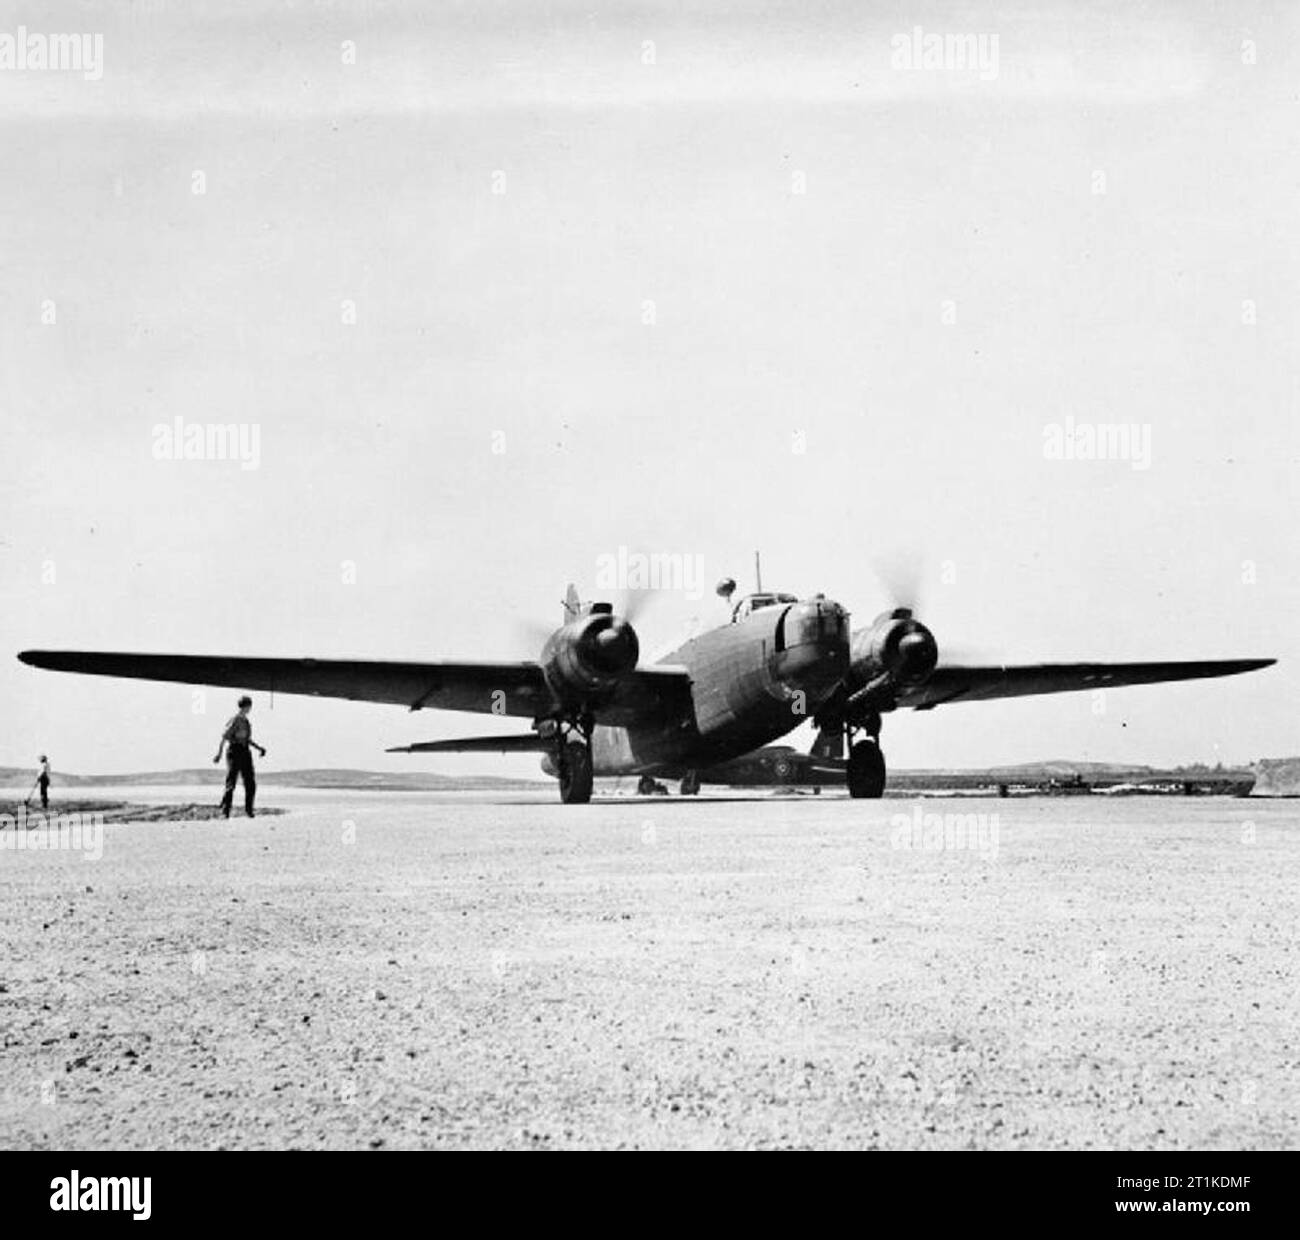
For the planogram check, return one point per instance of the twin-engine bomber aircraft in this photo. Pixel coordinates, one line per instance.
(596, 711)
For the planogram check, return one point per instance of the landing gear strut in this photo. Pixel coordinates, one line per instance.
(865, 773)
(573, 760)
(691, 784)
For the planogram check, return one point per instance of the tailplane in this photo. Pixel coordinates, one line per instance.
(530, 742)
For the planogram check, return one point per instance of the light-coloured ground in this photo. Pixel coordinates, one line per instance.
(410, 970)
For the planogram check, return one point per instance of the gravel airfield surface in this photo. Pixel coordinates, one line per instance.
(418, 970)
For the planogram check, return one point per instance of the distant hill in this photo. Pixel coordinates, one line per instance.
(1064, 768)
(1059, 769)
(397, 781)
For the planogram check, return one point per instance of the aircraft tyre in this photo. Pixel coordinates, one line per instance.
(866, 771)
(575, 773)
(691, 784)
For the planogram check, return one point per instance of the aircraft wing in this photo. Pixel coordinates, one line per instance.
(529, 742)
(980, 684)
(517, 689)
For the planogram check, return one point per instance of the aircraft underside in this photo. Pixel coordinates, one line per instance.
(682, 754)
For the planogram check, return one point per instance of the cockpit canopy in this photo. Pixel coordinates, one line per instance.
(753, 602)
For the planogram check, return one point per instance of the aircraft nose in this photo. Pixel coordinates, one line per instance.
(814, 644)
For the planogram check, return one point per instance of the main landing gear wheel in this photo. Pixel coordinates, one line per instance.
(866, 770)
(645, 786)
(691, 784)
(575, 772)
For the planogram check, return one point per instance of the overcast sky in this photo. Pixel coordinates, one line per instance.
(638, 277)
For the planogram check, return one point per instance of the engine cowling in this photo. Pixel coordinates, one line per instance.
(585, 660)
(896, 650)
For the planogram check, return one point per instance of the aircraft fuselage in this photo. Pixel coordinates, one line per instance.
(752, 682)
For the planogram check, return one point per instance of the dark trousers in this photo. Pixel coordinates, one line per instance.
(44, 783)
(239, 761)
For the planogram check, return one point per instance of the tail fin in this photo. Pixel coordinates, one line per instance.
(572, 604)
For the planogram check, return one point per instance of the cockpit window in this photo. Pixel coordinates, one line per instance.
(753, 602)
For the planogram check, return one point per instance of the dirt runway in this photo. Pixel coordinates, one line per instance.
(412, 970)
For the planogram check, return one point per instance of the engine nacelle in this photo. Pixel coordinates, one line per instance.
(895, 650)
(585, 660)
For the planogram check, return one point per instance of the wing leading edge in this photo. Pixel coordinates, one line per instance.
(982, 684)
(517, 689)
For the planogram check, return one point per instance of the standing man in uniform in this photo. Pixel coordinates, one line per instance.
(43, 781)
(238, 736)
